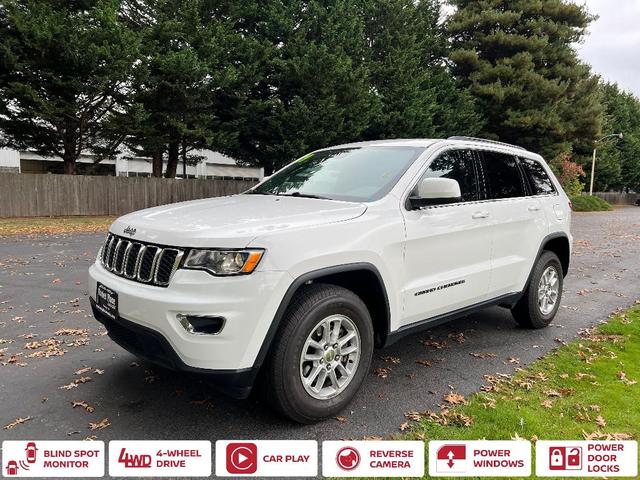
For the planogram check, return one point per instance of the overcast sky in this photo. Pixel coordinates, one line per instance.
(613, 45)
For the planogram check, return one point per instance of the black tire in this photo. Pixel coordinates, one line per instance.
(283, 383)
(527, 313)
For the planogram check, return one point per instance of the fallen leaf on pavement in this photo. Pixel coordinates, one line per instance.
(390, 359)
(104, 423)
(483, 355)
(72, 331)
(82, 404)
(16, 422)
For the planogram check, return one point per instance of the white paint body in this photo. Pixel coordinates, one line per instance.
(491, 245)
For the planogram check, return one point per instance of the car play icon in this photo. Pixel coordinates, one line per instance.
(242, 458)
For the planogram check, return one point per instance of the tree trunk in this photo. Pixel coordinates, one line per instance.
(172, 163)
(156, 163)
(184, 159)
(268, 167)
(71, 152)
(69, 159)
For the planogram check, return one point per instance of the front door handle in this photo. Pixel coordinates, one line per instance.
(478, 215)
(534, 208)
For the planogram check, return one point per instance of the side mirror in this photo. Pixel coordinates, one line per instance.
(435, 191)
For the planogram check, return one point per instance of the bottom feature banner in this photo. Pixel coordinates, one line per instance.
(64, 458)
(266, 458)
(389, 458)
(160, 458)
(480, 458)
(582, 458)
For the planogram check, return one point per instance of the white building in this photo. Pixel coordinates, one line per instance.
(214, 165)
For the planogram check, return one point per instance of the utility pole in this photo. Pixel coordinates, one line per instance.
(593, 162)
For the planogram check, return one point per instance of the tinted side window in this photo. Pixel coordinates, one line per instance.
(502, 175)
(457, 165)
(538, 179)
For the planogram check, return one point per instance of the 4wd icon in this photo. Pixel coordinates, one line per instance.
(452, 459)
(134, 461)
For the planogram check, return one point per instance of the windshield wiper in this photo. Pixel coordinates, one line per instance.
(254, 192)
(303, 195)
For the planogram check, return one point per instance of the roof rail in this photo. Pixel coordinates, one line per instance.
(495, 142)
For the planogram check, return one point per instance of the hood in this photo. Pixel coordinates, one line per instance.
(230, 222)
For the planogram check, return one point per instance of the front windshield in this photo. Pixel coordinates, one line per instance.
(351, 174)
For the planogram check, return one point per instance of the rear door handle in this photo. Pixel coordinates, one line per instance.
(534, 208)
(478, 215)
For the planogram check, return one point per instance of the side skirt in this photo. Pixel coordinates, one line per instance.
(507, 301)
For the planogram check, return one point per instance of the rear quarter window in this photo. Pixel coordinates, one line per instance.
(537, 176)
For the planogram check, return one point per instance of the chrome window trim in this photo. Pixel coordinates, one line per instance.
(449, 147)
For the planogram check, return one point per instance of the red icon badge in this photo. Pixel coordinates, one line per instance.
(565, 458)
(348, 458)
(452, 458)
(242, 458)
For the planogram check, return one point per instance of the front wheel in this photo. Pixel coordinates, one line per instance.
(541, 300)
(321, 354)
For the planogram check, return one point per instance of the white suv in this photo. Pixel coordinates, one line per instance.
(346, 249)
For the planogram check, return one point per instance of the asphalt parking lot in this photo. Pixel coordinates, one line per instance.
(90, 387)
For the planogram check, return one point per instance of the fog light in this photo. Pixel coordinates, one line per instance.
(201, 324)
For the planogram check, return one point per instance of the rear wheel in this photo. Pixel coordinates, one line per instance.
(321, 354)
(541, 300)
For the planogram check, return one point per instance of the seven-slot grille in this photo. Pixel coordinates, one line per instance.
(140, 262)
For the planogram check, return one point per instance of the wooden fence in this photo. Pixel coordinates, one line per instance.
(35, 195)
(616, 198)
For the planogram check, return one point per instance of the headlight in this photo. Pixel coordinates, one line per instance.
(223, 262)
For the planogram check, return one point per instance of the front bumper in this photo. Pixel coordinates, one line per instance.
(150, 345)
(148, 326)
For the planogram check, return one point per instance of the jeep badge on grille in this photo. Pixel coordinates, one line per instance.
(129, 231)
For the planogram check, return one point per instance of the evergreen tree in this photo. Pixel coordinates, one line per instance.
(518, 61)
(311, 82)
(418, 95)
(185, 64)
(64, 66)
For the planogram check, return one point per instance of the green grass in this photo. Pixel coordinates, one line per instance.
(583, 390)
(52, 225)
(590, 204)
